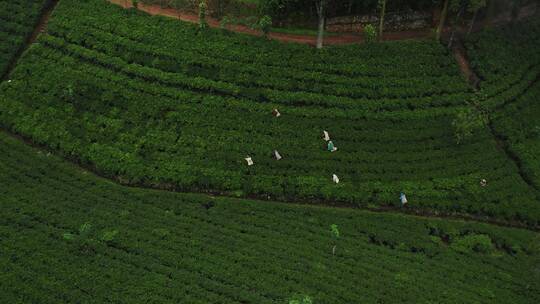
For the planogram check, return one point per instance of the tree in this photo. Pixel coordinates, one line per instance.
(370, 34)
(320, 6)
(474, 7)
(443, 19)
(382, 6)
(460, 6)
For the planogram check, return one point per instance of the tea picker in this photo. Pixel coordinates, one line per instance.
(249, 161)
(331, 146)
(483, 182)
(277, 155)
(335, 179)
(403, 199)
(326, 137)
(276, 113)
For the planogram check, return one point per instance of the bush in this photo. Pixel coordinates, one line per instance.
(466, 122)
(479, 243)
(264, 24)
(370, 33)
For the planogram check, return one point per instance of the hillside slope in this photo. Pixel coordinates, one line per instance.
(155, 102)
(68, 236)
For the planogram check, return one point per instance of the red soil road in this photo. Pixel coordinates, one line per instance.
(335, 39)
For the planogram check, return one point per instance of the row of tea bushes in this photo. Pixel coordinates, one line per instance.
(17, 21)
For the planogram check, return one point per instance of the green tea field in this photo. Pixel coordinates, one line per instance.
(126, 143)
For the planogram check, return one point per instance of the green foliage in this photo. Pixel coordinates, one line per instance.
(301, 300)
(161, 232)
(370, 33)
(479, 243)
(17, 19)
(135, 3)
(536, 131)
(109, 236)
(202, 15)
(264, 24)
(210, 255)
(335, 231)
(68, 236)
(224, 22)
(475, 5)
(85, 229)
(466, 122)
(68, 93)
(507, 60)
(386, 105)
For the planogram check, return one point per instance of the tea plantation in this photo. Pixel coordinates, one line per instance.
(67, 236)
(155, 102)
(123, 174)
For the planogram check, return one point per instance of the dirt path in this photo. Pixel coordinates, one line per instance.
(39, 28)
(461, 57)
(335, 39)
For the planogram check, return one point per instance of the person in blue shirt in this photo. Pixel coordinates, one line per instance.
(331, 146)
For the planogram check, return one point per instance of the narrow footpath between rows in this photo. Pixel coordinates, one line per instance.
(334, 39)
(461, 57)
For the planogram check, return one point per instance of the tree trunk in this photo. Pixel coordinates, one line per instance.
(350, 6)
(443, 19)
(381, 22)
(320, 14)
(472, 23)
(454, 26)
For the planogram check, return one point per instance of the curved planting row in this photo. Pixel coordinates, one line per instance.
(505, 56)
(17, 21)
(508, 57)
(188, 125)
(129, 245)
(517, 123)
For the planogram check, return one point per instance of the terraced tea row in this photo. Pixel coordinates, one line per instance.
(504, 57)
(129, 245)
(518, 124)
(91, 91)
